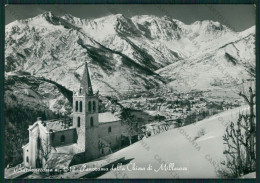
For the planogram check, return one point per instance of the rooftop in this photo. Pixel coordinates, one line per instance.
(65, 124)
(69, 149)
(59, 160)
(57, 124)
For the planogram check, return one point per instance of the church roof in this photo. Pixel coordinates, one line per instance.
(61, 124)
(57, 125)
(59, 160)
(85, 83)
(70, 148)
(107, 117)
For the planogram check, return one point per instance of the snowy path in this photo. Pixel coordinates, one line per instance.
(175, 146)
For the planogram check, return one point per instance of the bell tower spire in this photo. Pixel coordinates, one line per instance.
(85, 83)
(85, 117)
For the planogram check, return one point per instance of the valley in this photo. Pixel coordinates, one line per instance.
(156, 71)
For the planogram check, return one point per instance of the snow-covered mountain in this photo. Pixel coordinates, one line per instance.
(45, 57)
(229, 65)
(126, 54)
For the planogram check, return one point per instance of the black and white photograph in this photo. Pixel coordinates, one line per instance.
(130, 91)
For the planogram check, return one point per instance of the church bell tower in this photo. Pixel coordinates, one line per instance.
(85, 117)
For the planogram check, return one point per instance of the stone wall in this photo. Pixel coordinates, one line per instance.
(91, 143)
(26, 154)
(70, 137)
(113, 137)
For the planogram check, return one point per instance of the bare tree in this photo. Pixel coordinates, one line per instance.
(240, 142)
(251, 130)
(44, 147)
(129, 128)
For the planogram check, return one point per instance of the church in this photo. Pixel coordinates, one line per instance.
(90, 134)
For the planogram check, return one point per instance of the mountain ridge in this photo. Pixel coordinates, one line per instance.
(132, 50)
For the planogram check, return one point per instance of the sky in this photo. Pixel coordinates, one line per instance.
(237, 17)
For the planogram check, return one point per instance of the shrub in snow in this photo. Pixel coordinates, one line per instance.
(240, 142)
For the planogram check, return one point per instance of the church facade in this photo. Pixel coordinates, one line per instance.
(90, 133)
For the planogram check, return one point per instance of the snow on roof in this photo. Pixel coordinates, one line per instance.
(59, 160)
(107, 117)
(56, 125)
(25, 145)
(60, 124)
(33, 125)
(71, 149)
(52, 125)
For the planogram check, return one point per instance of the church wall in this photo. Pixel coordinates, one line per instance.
(77, 100)
(87, 131)
(95, 120)
(45, 142)
(33, 146)
(26, 154)
(43, 134)
(113, 137)
(69, 137)
(91, 141)
(91, 135)
(81, 115)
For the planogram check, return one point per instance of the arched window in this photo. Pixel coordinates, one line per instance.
(80, 90)
(27, 159)
(80, 106)
(78, 122)
(89, 106)
(94, 106)
(91, 121)
(77, 106)
(62, 139)
(109, 129)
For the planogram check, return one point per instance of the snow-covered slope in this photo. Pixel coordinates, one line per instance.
(201, 158)
(124, 53)
(223, 68)
(249, 176)
(23, 90)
